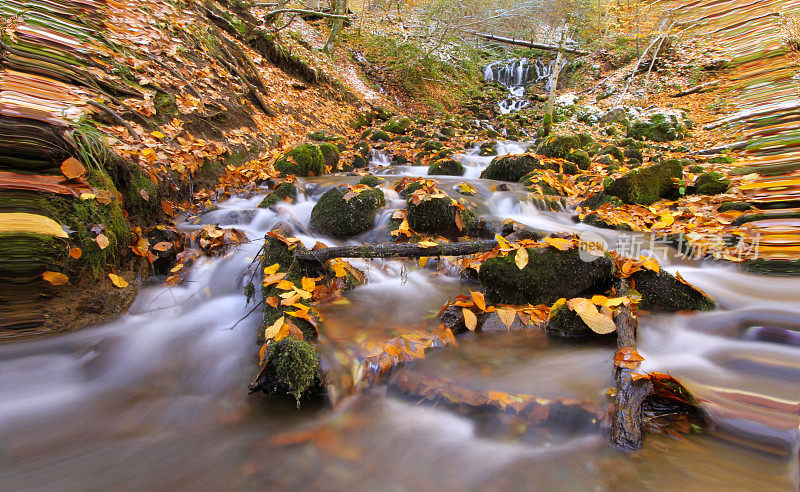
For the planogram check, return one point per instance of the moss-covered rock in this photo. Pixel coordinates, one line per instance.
(565, 323)
(511, 167)
(599, 199)
(549, 275)
(304, 160)
(283, 192)
(535, 184)
(446, 167)
(380, 136)
(488, 149)
(398, 125)
(330, 154)
(613, 151)
(580, 159)
(558, 146)
(663, 292)
(738, 206)
(438, 216)
(645, 186)
(292, 368)
(711, 183)
(371, 181)
(337, 217)
(432, 146)
(585, 139)
(595, 220)
(658, 127)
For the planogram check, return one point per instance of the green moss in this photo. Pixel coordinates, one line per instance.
(330, 154)
(292, 368)
(281, 193)
(738, 206)
(537, 185)
(645, 186)
(165, 105)
(438, 216)
(446, 167)
(547, 122)
(565, 323)
(585, 139)
(380, 136)
(303, 160)
(580, 159)
(511, 167)
(596, 201)
(334, 216)
(663, 292)
(371, 181)
(657, 129)
(410, 189)
(399, 125)
(613, 151)
(558, 146)
(721, 159)
(711, 183)
(432, 146)
(549, 275)
(488, 148)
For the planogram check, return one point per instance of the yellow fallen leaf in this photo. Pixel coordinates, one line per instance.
(117, 280)
(55, 278)
(559, 243)
(507, 316)
(479, 300)
(521, 258)
(650, 263)
(157, 134)
(423, 260)
(427, 243)
(271, 269)
(23, 222)
(307, 284)
(469, 319)
(588, 312)
(273, 330)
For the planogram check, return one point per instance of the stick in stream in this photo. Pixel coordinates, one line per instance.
(698, 88)
(397, 251)
(626, 421)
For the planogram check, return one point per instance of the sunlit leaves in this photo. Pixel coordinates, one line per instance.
(117, 280)
(55, 278)
(521, 258)
(596, 321)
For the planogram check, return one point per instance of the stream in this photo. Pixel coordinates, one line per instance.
(157, 398)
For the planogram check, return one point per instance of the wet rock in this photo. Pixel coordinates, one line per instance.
(549, 275)
(438, 216)
(488, 149)
(303, 160)
(511, 167)
(281, 193)
(664, 292)
(337, 217)
(711, 183)
(371, 181)
(446, 167)
(645, 186)
(598, 200)
(558, 146)
(565, 323)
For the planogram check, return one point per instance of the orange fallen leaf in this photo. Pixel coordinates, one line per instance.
(479, 300)
(470, 319)
(55, 278)
(75, 253)
(72, 168)
(117, 280)
(167, 208)
(162, 246)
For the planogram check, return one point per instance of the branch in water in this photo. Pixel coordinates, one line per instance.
(397, 251)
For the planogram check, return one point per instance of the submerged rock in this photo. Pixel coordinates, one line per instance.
(304, 160)
(337, 217)
(549, 275)
(645, 186)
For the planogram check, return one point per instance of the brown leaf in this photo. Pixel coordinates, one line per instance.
(162, 246)
(459, 222)
(167, 208)
(72, 168)
(627, 357)
(75, 253)
(55, 278)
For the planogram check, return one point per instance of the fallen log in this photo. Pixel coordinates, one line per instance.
(397, 251)
(698, 88)
(529, 44)
(626, 421)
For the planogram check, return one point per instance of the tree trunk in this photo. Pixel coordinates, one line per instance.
(338, 7)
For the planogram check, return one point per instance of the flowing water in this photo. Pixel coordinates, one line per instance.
(157, 398)
(515, 74)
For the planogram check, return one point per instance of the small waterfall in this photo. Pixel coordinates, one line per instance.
(515, 74)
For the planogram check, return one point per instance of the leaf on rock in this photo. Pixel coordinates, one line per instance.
(470, 319)
(72, 168)
(521, 258)
(596, 321)
(55, 278)
(117, 280)
(507, 316)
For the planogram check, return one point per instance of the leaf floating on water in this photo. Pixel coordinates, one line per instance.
(596, 321)
(521, 258)
(117, 280)
(470, 319)
(72, 168)
(37, 224)
(55, 278)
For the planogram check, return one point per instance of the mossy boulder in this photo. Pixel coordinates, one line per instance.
(738, 206)
(292, 368)
(371, 181)
(488, 149)
(558, 146)
(283, 192)
(432, 146)
(535, 184)
(438, 216)
(380, 136)
(549, 275)
(645, 186)
(330, 154)
(711, 183)
(323, 136)
(511, 167)
(337, 217)
(580, 159)
(446, 167)
(398, 125)
(599, 199)
(663, 292)
(658, 127)
(304, 160)
(585, 139)
(613, 151)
